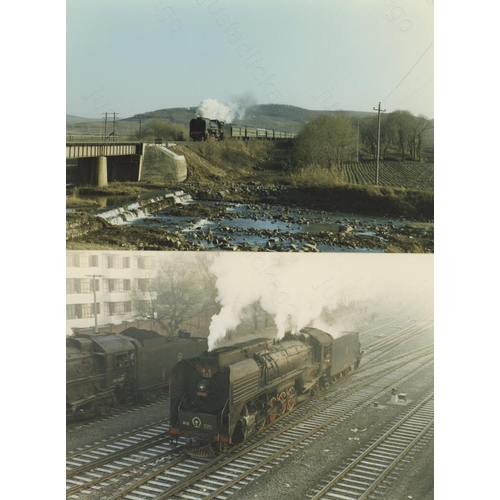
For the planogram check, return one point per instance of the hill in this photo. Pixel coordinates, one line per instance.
(274, 116)
(79, 119)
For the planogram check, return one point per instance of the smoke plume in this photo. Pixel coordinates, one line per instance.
(299, 291)
(288, 288)
(233, 112)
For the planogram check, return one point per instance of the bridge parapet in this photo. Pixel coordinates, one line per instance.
(94, 150)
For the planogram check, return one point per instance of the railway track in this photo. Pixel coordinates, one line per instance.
(201, 478)
(114, 413)
(381, 347)
(370, 468)
(104, 461)
(146, 464)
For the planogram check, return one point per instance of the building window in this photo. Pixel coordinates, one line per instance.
(144, 285)
(118, 308)
(146, 263)
(81, 285)
(80, 311)
(116, 285)
(81, 260)
(117, 262)
(72, 260)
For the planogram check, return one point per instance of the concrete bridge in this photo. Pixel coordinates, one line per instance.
(103, 162)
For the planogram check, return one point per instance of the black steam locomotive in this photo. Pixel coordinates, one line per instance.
(226, 395)
(207, 129)
(103, 369)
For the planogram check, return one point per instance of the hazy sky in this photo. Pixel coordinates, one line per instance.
(133, 56)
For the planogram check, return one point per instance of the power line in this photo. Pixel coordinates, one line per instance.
(422, 86)
(432, 43)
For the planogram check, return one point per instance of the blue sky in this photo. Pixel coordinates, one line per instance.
(133, 56)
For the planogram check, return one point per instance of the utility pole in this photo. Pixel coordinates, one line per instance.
(114, 124)
(357, 147)
(378, 141)
(105, 125)
(94, 276)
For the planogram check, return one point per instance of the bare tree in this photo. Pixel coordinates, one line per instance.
(182, 289)
(402, 122)
(368, 133)
(423, 127)
(327, 141)
(158, 127)
(143, 295)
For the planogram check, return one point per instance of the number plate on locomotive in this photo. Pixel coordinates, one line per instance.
(199, 421)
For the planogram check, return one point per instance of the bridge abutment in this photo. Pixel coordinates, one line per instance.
(101, 163)
(102, 171)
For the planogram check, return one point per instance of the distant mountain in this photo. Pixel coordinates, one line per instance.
(275, 116)
(79, 119)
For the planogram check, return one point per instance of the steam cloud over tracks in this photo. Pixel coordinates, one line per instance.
(301, 292)
(287, 287)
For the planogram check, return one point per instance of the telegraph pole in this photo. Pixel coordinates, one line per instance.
(357, 147)
(378, 141)
(94, 276)
(106, 125)
(114, 124)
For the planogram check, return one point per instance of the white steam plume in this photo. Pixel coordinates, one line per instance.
(211, 108)
(299, 291)
(230, 113)
(288, 288)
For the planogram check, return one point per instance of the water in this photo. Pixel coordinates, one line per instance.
(141, 208)
(246, 226)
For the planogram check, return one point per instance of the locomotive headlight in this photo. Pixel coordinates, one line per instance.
(203, 385)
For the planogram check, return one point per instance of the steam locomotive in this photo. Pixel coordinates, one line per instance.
(103, 369)
(224, 396)
(208, 129)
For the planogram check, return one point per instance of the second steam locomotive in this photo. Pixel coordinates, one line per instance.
(207, 129)
(104, 369)
(226, 395)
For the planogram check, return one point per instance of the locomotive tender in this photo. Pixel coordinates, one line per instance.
(224, 396)
(208, 129)
(104, 369)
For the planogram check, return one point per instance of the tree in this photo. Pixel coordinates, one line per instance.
(368, 134)
(423, 127)
(182, 289)
(326, 141)
(403, 123)
(157, 127)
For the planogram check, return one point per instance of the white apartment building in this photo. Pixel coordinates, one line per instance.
(115, 277)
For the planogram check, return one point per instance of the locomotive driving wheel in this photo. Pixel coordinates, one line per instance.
(291, 399)
(260, 424)
(282, 399)
(273, 409)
